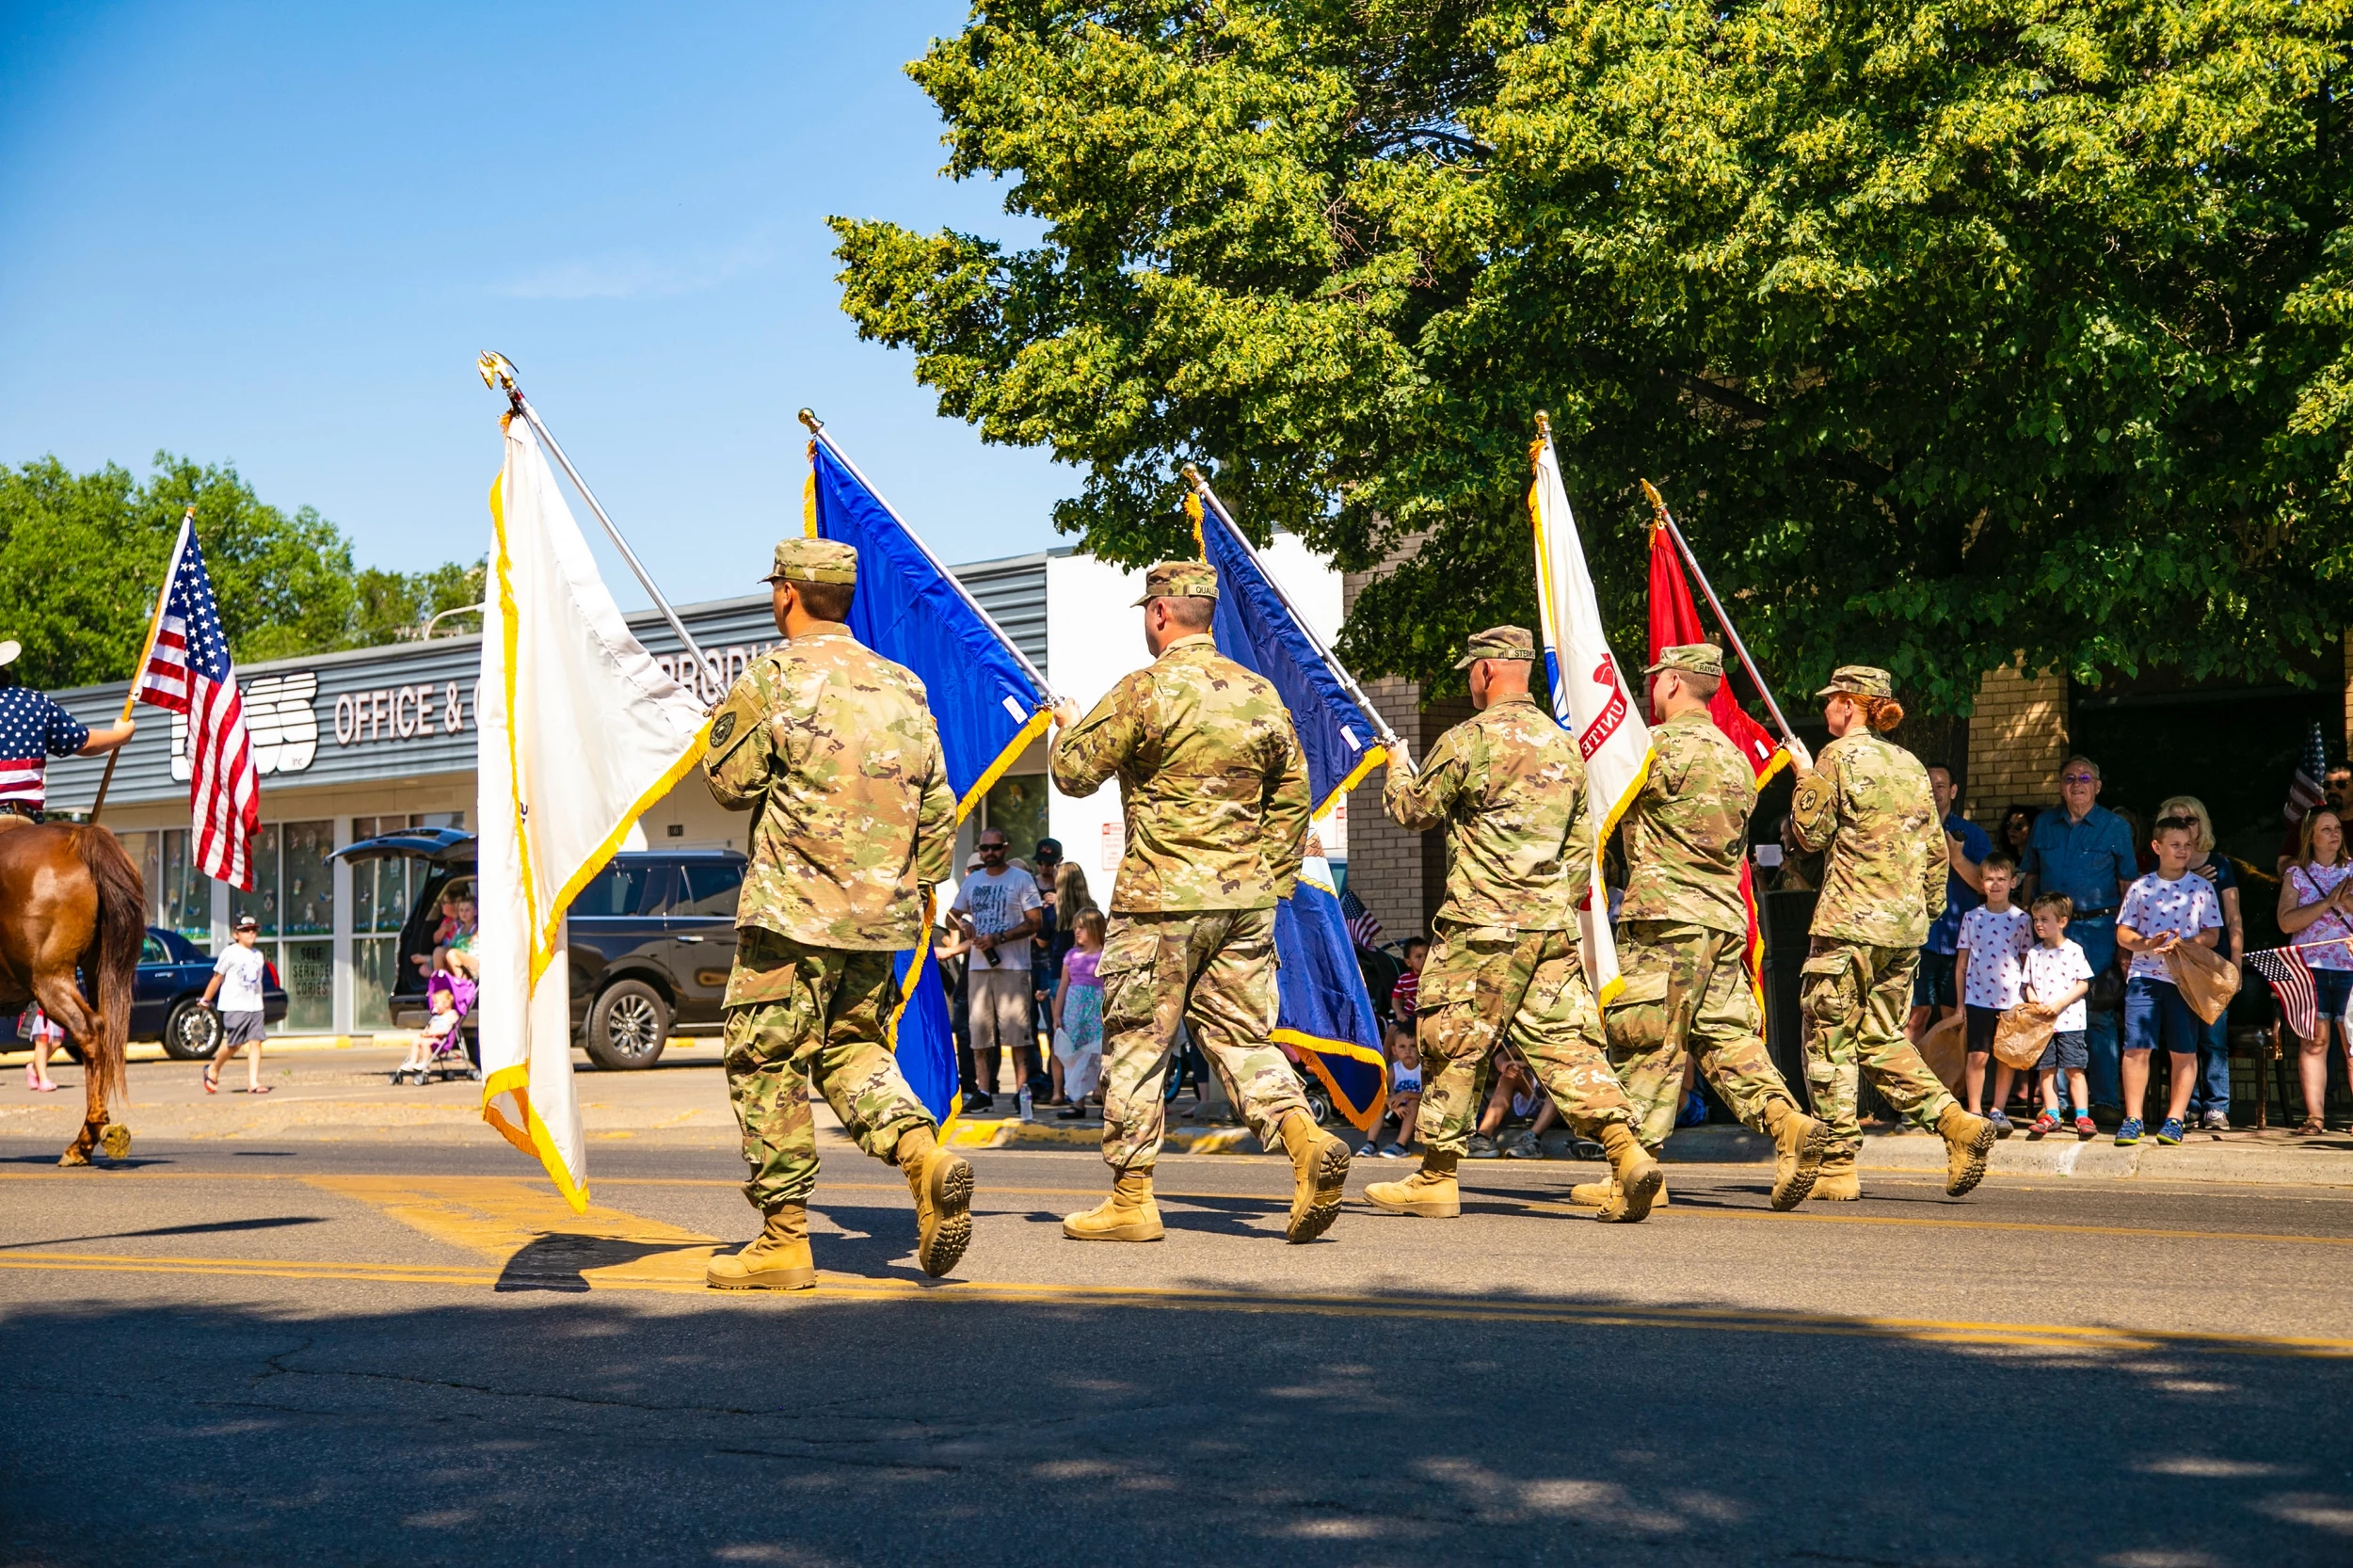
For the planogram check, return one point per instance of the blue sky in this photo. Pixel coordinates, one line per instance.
(280, 234)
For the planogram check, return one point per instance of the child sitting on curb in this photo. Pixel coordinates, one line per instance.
(2059, 977)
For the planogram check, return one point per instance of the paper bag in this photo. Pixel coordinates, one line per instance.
(2019, 1039)
(2207, 980)
(1946, 1050)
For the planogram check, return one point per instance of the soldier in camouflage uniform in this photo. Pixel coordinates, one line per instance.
(1214, 793)
(1682, 931)
(1866, 806)
(832, 748)
(1504, 969)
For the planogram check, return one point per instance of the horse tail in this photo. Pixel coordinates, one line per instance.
(121, 931)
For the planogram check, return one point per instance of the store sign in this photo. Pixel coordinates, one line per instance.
(279, 718)
(722, 667)
(414, 712)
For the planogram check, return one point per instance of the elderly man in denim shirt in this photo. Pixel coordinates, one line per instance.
(2085, 851)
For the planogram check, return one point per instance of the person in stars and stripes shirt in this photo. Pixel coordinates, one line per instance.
(32, 731)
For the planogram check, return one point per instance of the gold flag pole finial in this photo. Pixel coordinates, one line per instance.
(1543, 425)
(809, 417)
(1193, 476)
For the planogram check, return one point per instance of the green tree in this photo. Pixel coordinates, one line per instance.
(82, 554)
(1949, 331)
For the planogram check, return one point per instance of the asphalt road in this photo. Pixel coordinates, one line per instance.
(412, 1352)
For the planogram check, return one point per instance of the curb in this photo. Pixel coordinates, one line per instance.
(2234, 1159)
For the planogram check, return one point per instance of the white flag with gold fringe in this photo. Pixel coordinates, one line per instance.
(1590, 696)
(580, 731)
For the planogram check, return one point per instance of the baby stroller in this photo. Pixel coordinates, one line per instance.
(440, 1052)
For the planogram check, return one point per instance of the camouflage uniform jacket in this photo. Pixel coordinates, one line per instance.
(1867, 808)
(1509, 787)
(833, 746)
(1689, 827)
(1211, 782)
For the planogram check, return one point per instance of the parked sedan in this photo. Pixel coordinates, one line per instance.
(168, 1000)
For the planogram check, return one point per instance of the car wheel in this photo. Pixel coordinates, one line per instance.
(1319, 1098)
(192, 1033)
(627, 1026)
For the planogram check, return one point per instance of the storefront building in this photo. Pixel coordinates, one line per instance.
(352, 745)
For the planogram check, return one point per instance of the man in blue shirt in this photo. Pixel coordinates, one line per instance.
(1966, 849)
(2085, 851)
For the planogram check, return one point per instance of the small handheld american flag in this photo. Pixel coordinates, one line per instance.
(2304, 785)
(189, 671)
(1363, 928)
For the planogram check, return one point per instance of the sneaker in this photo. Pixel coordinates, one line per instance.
(2129, 1131)
(1483, 1148)
(2001, 1122)
(2044, 1126)
(1366, 1149)
(978, 1104)
(2169, 1131)
(1395, 1151)
(1523, 1147)
(2216, 1120)
(2086, 1127)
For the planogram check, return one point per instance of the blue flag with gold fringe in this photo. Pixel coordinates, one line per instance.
(987, 700)
(1323, 1010)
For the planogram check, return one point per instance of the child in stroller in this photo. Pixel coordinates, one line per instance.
(440, 1049)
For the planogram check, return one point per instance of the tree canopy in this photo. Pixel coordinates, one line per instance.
(1949, 329)
(82, 555)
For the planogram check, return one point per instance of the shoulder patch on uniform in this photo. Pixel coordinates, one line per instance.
(738, 718)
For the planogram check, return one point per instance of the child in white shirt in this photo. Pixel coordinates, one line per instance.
(1987, 974)
(2059, 977)
(2160, 911)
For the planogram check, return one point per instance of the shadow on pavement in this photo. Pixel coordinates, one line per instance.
(210, 1227)
(357, 1426)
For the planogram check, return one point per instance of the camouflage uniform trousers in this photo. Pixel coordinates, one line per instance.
(1215, 971)
(811, 1013)
(1855, 998)
(1687, 993)
(1484, 987)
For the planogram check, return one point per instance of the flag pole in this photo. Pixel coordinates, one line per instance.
(1201, 488)
(1666, 521)
(498, 374)
(138, 671)
(816, 431)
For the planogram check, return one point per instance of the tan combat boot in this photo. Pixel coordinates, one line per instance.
(1598, 1194)
(1127, 1215)
(1428, 1193)
(942, 1185)
(1967, 1141)
(1637, 1178)
(1319, 1174)
(1799, 1142)
(777, 1260)
(1836, 1181)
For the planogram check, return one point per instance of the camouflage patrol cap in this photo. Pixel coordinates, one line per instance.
(1690, 658)
(1499, 642)
(1859, 680)
(815, 561)
(1179, 579)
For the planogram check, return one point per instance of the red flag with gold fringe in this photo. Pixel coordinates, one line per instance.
(1674, 620)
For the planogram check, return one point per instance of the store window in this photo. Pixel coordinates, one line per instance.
(382, 894)
(292, 900)
(1016, 809)
(178, 897)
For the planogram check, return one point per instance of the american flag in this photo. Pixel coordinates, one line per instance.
(1363, 928)
(2304, 790)
(190, 672)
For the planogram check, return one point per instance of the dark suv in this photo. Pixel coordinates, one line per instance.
(651, 939)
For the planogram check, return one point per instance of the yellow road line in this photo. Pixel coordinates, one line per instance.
(844, 1287)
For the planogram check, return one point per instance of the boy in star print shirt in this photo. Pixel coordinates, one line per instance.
(1988, 972)
(2166, 908)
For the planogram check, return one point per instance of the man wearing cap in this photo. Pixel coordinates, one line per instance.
(1866, 808)
(32, 731)
(1214, 793)
(832, 749)
(1681, 931)
(1509, 787)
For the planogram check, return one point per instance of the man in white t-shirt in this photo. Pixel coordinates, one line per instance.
(999, 911)
(238, 976)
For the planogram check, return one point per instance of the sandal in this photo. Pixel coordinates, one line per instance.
(212, 1079)
(259, 1089)
(2313, 1126)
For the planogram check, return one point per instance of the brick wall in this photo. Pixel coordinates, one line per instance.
(2018, 739)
